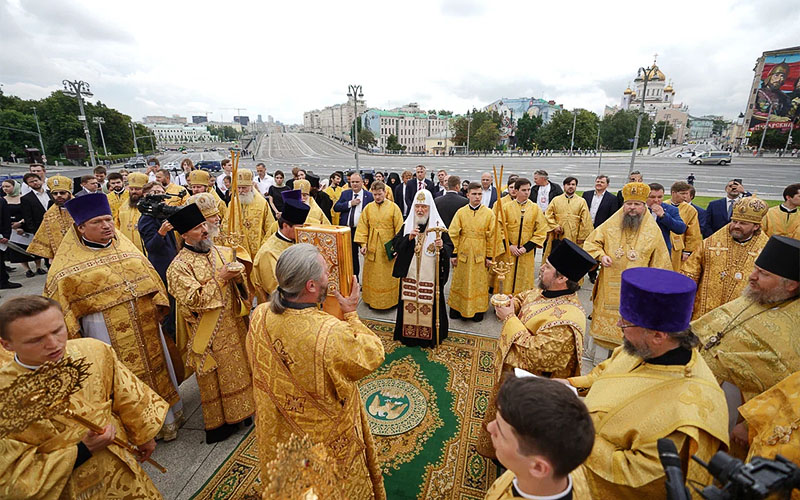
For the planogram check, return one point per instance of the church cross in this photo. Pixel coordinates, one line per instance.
(718, 249)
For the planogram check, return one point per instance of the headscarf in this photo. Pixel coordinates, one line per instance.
(393, 180)
(424, 197)
(16, 185)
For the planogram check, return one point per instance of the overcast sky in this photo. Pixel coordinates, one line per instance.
(283, 58)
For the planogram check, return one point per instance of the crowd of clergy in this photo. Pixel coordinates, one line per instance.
(692, 334)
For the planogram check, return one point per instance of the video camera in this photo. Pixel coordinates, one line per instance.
(754, 480)
(154, 206)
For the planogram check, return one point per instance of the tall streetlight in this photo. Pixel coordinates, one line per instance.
(78, 88)
(469, 122)
(645, 72)
(574, 121)
(135, 147)
(354, 91)
(99, 120)
(41, 143)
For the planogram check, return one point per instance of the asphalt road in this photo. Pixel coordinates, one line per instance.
(765, 176)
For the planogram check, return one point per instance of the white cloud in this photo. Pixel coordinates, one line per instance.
(282, 58)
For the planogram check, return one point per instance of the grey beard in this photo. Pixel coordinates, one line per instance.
(247, 198)
(633, 351)
(766, 297)
(213, 231)
(204, 245)
(631, 221)
(421, 221)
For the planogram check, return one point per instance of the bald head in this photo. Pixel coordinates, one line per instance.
(356, 182)
(486, 180)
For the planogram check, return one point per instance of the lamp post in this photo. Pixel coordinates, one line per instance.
(79, 88)
(99, 120)
(354, 91)
(135, 147)
(469, 122)
(38, 130)
(645, 72)
(572, 140)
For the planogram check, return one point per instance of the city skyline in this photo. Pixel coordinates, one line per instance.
(186, 59)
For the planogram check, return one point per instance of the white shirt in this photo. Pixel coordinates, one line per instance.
(44, 198)
(731, 201)
(355, 212)
(543, 197)
(25, 189)
(596, 200)
(486, 196)
(263, 184)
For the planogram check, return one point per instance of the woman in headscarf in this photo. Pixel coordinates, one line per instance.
(11, 188)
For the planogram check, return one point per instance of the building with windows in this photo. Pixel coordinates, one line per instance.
(701, 127)
(333, 121)
(164, 120)
(511, 110)
(178, 134)
(411, 128)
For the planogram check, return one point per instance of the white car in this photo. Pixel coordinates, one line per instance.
(171, 164)
(686, 154)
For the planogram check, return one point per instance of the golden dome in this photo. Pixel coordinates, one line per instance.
(668, 88)
(628, 91)
(653, 75)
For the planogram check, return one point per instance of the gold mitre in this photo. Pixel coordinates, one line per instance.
(199, 178)
(206, 203)
(137, 180)
(245, 177)
(749, 209)
(636, 191)
(59, 183)
(303, 185)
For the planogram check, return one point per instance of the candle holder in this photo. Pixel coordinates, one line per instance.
(233, 240)
(500, 299)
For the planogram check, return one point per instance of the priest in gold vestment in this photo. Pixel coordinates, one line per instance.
(568, 216)
(209, 292)
(686, 244)
(127, 219)
(57, 220)
(724, 261)
(57, 458)
(526, 229)
(256, 216)
(629, 238)
(111, 292)
(542, 329)
(263, 276)
(655, 386)
(117, 193)
(784, 220)
(306, 368)
(380, 220)
(315, 215)
(200, 182)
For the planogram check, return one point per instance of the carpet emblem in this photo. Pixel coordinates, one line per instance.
(393, 406)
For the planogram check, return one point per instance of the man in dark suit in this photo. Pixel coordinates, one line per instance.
(5, 234)
(400, 191)
(440, 188)
(34, 205)
(543, 191)
(88, 185)
(488, 192)
(634, 176)
(449, 203)
(415, 184)
(350, 206)
(602, 205)
(702, 215)
(668, 216)
(719, 211)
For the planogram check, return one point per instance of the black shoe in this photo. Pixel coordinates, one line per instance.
(29, 274)
(247, 422)
(8, 285)
(221, 433)
(454, 314)
(592, 279)
(478, 317)
(41, 272)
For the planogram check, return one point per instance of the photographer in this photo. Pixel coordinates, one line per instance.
(159, 243)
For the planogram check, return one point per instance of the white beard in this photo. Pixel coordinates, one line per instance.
(213, 231)
(247, 198)
(421, 221)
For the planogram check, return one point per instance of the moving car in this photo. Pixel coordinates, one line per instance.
(209, 165)
(686, 154)
(718, 157)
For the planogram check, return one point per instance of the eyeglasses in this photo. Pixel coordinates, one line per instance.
(625, 325)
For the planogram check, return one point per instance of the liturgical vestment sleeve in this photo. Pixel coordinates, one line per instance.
(352, 352)
(189, 291)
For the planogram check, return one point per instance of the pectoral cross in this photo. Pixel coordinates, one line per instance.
(130, 286)
(718, 249)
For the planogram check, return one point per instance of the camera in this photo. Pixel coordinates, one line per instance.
(154, 206)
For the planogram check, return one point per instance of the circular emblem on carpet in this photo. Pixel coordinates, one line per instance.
(393, 406)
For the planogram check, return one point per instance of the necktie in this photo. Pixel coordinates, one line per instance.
(420, 186)
(353, 212)
(730, 208)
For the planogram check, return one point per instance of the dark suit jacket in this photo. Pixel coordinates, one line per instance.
(324, 202)
(448, 205)
(343, 205)
(671, 222)
(437, 191)
(32, 211)
(717, 214)
(5, 219)
(160, 249)
(555, 190)
(493, 198)
(702, 219)
(399, 199)
(608, 206)
(412, 190)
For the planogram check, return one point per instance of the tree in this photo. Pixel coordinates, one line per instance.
(618, 130)
(775, 139)
(719, 126)
(486, 137)
(461, 125)
(527, 128)
(660, 133)
(15, 141)
(444, 112)
(557, 134)
(393, 145)
(366, 138)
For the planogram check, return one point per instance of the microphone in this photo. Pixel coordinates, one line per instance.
(671, 462)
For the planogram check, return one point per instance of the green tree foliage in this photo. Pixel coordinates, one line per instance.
(558, 133)
(617, 130)
(366, 138)
(224, 133)
(660, 132)
(15, 141)
(445, 112)
(393, 145)
(460, 127)
(775, 139)
(527, 128)
(486, 137)
(719, 126)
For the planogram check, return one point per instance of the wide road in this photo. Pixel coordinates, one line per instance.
(766, 177)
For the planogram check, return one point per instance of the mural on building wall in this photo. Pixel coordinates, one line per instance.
(780, 90)
(512, 109)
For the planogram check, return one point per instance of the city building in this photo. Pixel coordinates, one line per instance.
(701, 127)
(679, 119)
(242, 120)
(311, 122)
(411, 128)
(512, 109)
(179, 134)
(164, 120)
(771, 102)
(337, 120)
(196, 119)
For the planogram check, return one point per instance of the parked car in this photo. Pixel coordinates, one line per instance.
(209, 165)
(718, 157)
(171, 165)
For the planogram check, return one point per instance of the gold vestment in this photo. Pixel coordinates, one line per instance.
(473, 235)
(212, 311)
(502, 488)
(533, 233)
(127, 222)
(117, 200)
(721, 268)
(263, 274)
(177, 190)
(377, 225)
(306, 368)
(256, 218)
(778, 222)
(573, 215)
(634, 403)
(55, 225)
(690, 241)
(334, 193)
(38, 462)
(645, 248)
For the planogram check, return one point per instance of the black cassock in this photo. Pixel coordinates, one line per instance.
(405, 252)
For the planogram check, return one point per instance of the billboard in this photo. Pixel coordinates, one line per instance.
(199, 119)
(778, 93)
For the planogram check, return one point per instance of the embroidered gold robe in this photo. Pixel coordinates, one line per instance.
(646, 248)
(315, 216)
(473, 235)
(573, 215)
(55, 225)
(634, 403)
(502, 488)
(256, 219)
(177, 190)
(531, 234)
(127, 222)
(545, 337)
(690, 241)
(121, 284)
(263, 274)
(334, 193)
(117, 200)
(781, 223)
(212, 312)
(38, 462)
(306, 368)
(721, 268)
(377, 225)
(758, 346)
